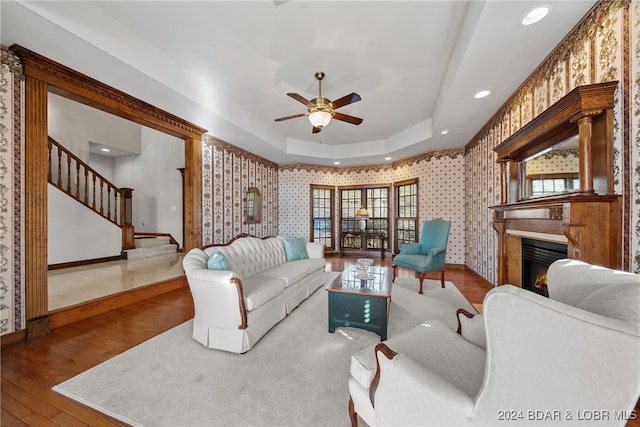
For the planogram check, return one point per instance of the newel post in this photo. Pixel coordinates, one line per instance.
(126, 218)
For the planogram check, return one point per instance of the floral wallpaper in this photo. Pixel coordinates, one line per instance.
(227, 174)
(11, 191)
(228, 171)
(604, 46)
(634, 137)
(558, 161)
(440, 177)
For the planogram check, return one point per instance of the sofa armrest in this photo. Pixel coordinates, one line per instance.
(410, 394)
(561, 355)
(315, 250)
(571, 281)
(218, 297)
(471, 327)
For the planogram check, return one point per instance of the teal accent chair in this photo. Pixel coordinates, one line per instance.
(427, 255)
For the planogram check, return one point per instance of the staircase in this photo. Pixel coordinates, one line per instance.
(147, 246)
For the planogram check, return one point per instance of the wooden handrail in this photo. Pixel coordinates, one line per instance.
(89, 187)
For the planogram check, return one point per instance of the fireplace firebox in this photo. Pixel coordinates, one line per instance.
(537, 256)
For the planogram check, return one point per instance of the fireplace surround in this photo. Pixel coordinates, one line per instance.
(537, 256)
(587, 219)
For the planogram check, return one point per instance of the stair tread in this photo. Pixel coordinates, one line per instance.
(151, 251)
(149, 242)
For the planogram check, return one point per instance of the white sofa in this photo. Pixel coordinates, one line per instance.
(258, 287)
(573, 358)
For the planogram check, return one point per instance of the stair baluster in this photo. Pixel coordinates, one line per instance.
(85, 189)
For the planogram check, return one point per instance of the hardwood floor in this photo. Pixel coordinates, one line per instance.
(30, 369)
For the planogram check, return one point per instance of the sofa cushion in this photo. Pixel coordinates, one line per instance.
(432, 345)
(295, 249)
(217, 261)
(289, 272)
(258, 291)
(620, 301)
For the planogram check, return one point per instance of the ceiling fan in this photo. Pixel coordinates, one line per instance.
(320, 110)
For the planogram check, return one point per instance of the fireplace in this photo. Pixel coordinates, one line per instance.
(588, 220)
(537, 256)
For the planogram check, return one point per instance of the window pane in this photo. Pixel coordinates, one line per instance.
(407, 207)
(376, 202)
(322, 213)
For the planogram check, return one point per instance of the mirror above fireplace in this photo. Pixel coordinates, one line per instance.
(556, 178)
(582, 120)
(554, 170)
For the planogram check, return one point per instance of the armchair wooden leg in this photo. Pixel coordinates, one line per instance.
(421, 278)
(442, 278)
(352, 413)
(394, 273)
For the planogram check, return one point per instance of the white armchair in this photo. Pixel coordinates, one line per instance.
(546, 362)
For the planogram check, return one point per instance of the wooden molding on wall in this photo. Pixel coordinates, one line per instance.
(590, 219)
(43, 76)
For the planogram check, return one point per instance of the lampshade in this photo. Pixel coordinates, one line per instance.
(319, 119)
(362, 213)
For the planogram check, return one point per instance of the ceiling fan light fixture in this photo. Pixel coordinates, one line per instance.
(320, 119)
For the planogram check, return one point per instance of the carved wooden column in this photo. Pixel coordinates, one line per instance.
(35, 198)
(504, 181)
(500, 226)
(586, 158)
(192, 193)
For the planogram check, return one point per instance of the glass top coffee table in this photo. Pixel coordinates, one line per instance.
(359, 302)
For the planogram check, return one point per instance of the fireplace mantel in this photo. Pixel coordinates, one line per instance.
(589, 218)
(589, 225)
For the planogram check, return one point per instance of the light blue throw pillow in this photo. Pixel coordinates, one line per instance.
(217, 261)
(295, 249)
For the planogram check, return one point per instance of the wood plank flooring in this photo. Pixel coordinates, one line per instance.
(30, 369)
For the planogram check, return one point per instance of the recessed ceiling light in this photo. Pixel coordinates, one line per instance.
(535, 15)
(444, 131)
(482, 94)
(336, 163)
(106, 150)
(387, 158)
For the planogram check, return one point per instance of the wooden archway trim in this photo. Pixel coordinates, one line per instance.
(43, 76)
(81, 88)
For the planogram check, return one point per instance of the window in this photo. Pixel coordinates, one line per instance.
(322, 215)
(376, 201)
(545, 185)
(406, 212)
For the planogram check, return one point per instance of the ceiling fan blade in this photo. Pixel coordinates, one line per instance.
(347, 118)
(315, 130)
(290, 117)
(300, 98)
(345, 100)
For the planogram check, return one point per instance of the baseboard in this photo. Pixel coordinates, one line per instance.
(478, 276)
(67, 315)
(83, 262)
(455, 266)
(13, 338)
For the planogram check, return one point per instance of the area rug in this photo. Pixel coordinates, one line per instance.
(296, 375)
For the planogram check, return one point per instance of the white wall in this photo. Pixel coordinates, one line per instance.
(105, 166)
(75, 233)
(157, 183)
(73, 125)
